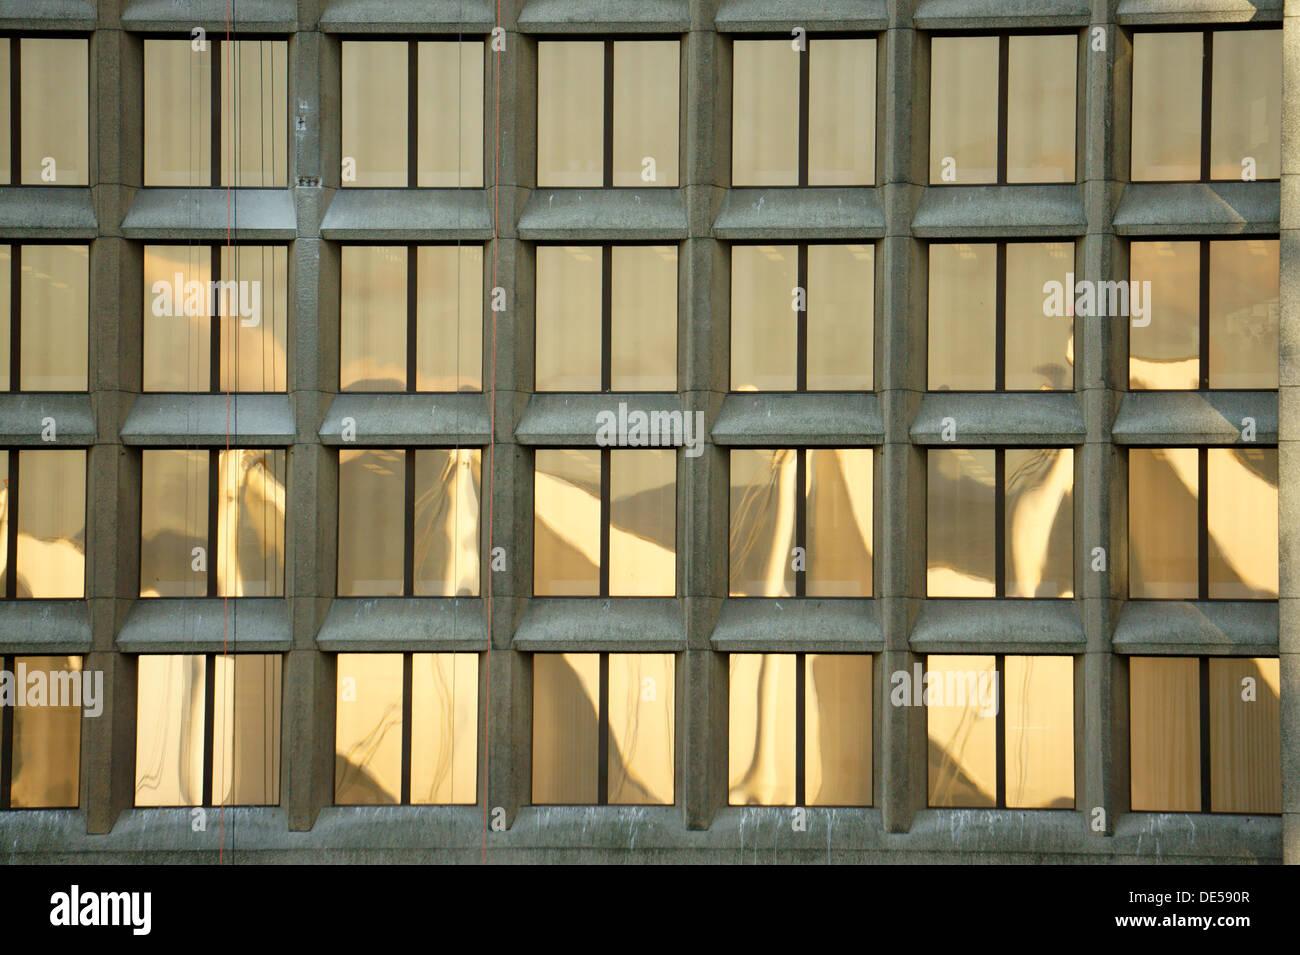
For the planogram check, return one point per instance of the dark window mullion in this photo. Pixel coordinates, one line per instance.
(607, 139)
(215, 174)
(408, 528)
(6, 739)
(606, 318)
(15, 112)
(1207, 112)
(1000, 318)
(214, 318)
(805, 85)
(1203, 332)
(1004, 86)
(412, 315)
(999, 522)
(1202, 524)
(603, 587)
(801, 321)
(407, 681)
(214, 482)
(602, 734)
(209, 721)
(800, 729)
(1203, 673)
(11, 544)
(15, 317)
(1000, 733)
(412, 113)
(801, 521)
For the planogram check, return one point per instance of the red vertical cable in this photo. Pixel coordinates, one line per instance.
(225, 603)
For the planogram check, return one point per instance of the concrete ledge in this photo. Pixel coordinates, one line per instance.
(265, 16)
(745, 16)
(1049, 211)
(790, 624)
(44, 626)
(47, 15)
(206, 625)
(604, 215)
(1039, 417)
(767, 420)
(999, 626)
(22, 415)
(252, 421)
(1194, 417)
(590, 624)
(45, 212)
(407, 16)
(559, 420)
(808, 213)
(1218, 627)
(1135, 12)
(1199, 208)
(188, 214)
(404, 624)
(605, 16)
(407, 215)
(1000, 14)
(408, 420)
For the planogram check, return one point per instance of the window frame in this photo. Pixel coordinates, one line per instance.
(8, 714)
(15, 107)
(12, 488)
(16, 311)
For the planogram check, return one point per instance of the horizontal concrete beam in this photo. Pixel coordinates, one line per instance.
(591, 215)
(590, 624)
(748, 16)
(404, 624)
(999, 626)
(47, 15)
(47, 212)
(559, 420)
(265, 16)
(45, 626)
(411, 420)
(1139, 12)
(776, 624)
(407, 215)
(209, 214)
(1162, 418)
(980, 419)
(799, 420)
(605, 16)
(993, 212)
(787, 215)
(251, 421)
(1219, 627)
(206, 625)
(1000, 14)
(23, 418)
(406, 16)
(1199, 208)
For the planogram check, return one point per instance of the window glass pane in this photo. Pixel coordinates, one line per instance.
(566, 696)
(1040, 347)
(450, 116)
(646, 104)
(1165, 352)
(371, 525)
(566, 523)
(246, 730)
(449, 318)
(447, 522)
(1244, 313)
(6, 304)
(960, 523)
(54, 99)
(250, 523)
(444, 728)
(1242, 510)
(372, 316)
(762, 523)
(254, 113)
(963, 317)
(55, 308)
(841, 311)
(1166, 106)
(374, 119)
(177, 114)
(1246, 104)
(642, 523)
(761, 743)
(368, 729)
(1164, 734)
(961, 704)
(169, 722)
(764, 323)
(6, 95)
(1162, 489)
(52, 524)
(1041, 75)
(643, 320)
(177, 326)
(1039, 698)
(1039, 516)
(47, 737)
(842, 112)
(837, 729)
(964, 109)
(257, 320)
(839, 522)
(764, 113)
(570, 113)
(641, 764)
(1245, 735)
(569, 280)
(174, 523)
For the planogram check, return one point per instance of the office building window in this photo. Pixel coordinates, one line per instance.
(412, 114)
(799, 729)
(1205, 734)
(603, 729)
(40, 731)
(1202, 523)
(1000, 522)
(802, 317)
(1001, 316)
(206, 332)
(1210, 316)
(1002, 108)
(606, 318)
(608, 113)
(406, 729)
(801, 522)
(212, 523)
(208, 730)
(409, 522)
(605, 523)
(1001, 730)
(803, 117)
(45, 327)
(411, 318)
(242, 90)
(1207, 105)
(44, 111)
(45, 546)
